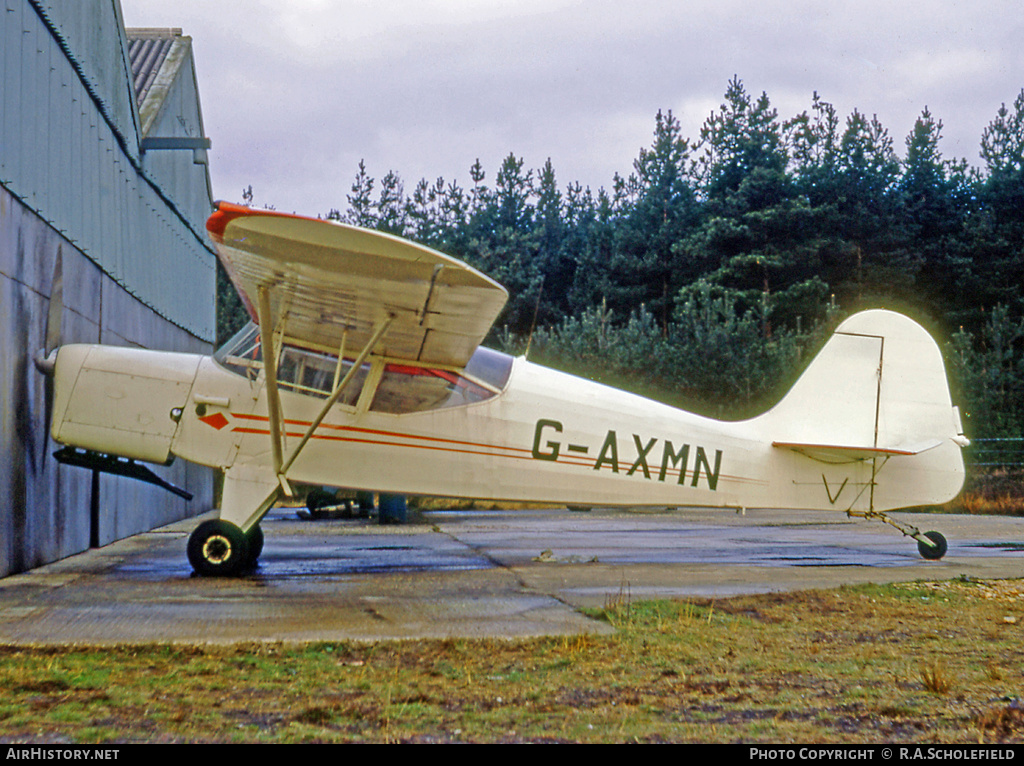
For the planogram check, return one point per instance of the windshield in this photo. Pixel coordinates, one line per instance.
(243, 353)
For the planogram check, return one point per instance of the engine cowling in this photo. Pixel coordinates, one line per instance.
(120, 401)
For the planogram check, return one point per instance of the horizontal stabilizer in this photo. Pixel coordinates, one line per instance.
(837, 453)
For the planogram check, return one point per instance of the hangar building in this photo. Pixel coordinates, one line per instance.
(104, 193)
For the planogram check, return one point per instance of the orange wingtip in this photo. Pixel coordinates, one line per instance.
(226, 212)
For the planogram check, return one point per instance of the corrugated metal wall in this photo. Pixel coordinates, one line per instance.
(44, 506)
(72, 186)
(72, 156)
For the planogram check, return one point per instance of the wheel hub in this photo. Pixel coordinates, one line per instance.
(217, 549)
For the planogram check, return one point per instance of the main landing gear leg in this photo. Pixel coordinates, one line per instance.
(931, 545)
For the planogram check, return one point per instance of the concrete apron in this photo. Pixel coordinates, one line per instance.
(477, 573)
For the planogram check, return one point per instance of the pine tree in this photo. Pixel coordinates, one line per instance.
(556, 264)
(392, 212)
(935, 206)
(657, 209)
(1002, 257)
(361, 208)
(755, 242)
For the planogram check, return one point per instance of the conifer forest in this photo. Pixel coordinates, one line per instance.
(710, 273)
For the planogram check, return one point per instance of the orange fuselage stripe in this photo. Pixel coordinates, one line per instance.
(485, 450)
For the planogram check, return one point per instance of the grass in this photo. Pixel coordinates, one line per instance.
(997, 492)
(925, 662)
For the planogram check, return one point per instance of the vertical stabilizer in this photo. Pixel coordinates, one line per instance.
(877, 393)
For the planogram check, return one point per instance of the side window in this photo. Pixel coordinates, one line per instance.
(490, 366)
(313, 373)
(405, 388)
(298, 369)
(402, 388)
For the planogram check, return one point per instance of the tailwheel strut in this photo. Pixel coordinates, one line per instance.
(931, 545)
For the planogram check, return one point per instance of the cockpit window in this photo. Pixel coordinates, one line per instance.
(298, 369)
(243, 353)
(402, 387)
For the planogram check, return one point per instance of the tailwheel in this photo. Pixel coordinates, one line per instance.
(218, 548)
(931, 545)
(932, 552)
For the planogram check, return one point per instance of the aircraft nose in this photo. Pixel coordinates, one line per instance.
(115, 400)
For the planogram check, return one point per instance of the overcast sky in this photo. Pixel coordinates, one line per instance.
(295, 92)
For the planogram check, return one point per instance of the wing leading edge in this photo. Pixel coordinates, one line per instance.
(329, 283)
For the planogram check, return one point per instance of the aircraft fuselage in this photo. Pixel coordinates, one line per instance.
(544, 437)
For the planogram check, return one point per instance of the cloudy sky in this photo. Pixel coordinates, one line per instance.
(295, 93)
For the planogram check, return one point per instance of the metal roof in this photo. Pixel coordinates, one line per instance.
(147, 51)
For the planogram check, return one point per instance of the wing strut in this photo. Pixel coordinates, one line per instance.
(274, 409)
(270, 368)
(335, 394)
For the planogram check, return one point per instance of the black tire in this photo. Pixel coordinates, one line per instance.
(217, 548)
(930, 553)
(253, 546)
(319, 498)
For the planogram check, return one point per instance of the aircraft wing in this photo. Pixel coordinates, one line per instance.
(328, 281)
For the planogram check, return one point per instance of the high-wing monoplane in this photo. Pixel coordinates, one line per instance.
(362, 368)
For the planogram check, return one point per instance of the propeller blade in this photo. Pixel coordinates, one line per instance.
(46, 359)
(55, 311)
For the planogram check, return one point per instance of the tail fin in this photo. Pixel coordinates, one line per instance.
(878, 392)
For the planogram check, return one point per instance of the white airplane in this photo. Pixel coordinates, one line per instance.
(362, 368)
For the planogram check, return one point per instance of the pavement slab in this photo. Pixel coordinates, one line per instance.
(474, 573)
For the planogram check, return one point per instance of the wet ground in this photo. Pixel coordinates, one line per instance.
(474, 573)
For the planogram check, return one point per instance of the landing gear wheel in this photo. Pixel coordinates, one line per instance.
(936, 553)
(253, 546)
(217, 548)
(317, 499)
